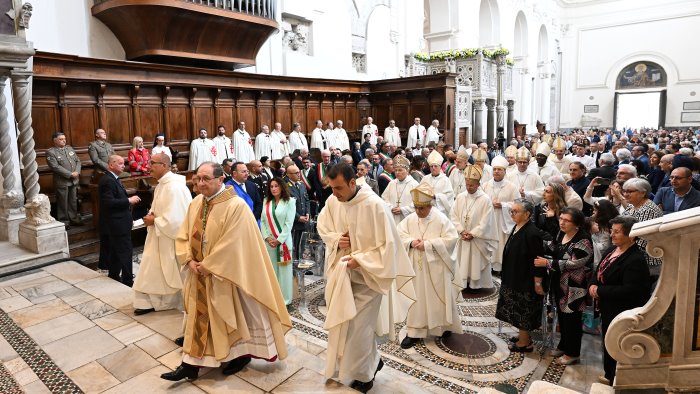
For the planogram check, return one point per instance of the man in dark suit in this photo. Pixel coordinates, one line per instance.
(258, 176)
(680, 195)
(226, 165)
(298, 191)
(115, 222)
(357, 155)
(606, 170)
(246, 189)
(320, 183)
(65, 165)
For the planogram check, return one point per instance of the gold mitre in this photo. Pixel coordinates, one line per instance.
(435, 158)
(473, 173)
(422, 195)
(511, 150)
(463, 153)
(533, 147)
(543, 149)
(522, 154)
(558, 144)
(402, 161)
(499, 161)
(547, 138)
(479, 155)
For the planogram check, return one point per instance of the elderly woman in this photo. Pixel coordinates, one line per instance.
(546, 216)
(571, 260)
(521, 293)
(278, 214)
(621, 282)
(139, 158)
(639, 206)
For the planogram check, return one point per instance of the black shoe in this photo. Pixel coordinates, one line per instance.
(379, 366)
(180, 341)
(235, 365)
(362, 387)
(184, 371)
(446, 334)
(521, 349)
(308, 273)
(139, 312)
(408, 342)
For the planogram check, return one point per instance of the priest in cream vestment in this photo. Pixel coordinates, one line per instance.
(457, 175)
(444, 195)
(397, 194)
(430, 238)
(502, 194)
(158, 284)
(530, 185)
(364, 258)
(235, 309)
(475, 221)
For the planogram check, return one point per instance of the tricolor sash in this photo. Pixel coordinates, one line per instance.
(270, 213)
(384, 156)
(449, 169)
(321, 171)
(387, 176)
(305, 180)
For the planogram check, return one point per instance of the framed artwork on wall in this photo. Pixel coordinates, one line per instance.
(691, 106)
(590, 109)
(690, 117)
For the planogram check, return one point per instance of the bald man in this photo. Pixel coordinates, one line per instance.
(298, 191)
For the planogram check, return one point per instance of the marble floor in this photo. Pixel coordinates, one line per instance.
(67, 329)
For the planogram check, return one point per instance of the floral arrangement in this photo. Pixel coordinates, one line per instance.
(464, 53)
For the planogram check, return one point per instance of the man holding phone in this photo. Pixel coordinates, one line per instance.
(605, 173)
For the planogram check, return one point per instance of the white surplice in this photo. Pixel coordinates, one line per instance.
(561, 165)
(242, 146)
(398, 194)
(280, 145)
(437, 282)
(392, 135)
(545, 172)
(416, 135)
(373, 133)
(201, 150)
(318, 139)
(444, 195)
(432, 135)
(474, 213)
(297, 140)
(331, 138)
(487, 174)
(341, 138)
(158, 283)
(505, 193)
(459, 184)
(353, 297)
(263, 146)
(224, 148)
(530, 182)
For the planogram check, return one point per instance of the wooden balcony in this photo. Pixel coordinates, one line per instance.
(221, 34)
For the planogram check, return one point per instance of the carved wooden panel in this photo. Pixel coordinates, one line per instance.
(151, 121)
(119, 124)
(46, 120)
(265, 116)
(399, 112)
(82, 122)
(248, 114)
(225, 115)
(204, 118)
(178, 123)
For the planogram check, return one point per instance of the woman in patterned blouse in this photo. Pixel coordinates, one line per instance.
(570, 263)
(640, 207)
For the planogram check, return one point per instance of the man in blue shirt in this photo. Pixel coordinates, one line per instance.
(680, 195)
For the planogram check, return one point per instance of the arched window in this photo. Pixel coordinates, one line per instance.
(641, 75)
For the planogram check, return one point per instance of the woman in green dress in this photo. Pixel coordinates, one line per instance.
(276, 222)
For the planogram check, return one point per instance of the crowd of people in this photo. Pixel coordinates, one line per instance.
(407, 230)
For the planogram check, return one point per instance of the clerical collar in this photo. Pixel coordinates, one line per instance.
(223, 188)
(357, 190)
(202, 138)
(498, 182)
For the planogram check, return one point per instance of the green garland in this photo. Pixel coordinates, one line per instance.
(465, 53)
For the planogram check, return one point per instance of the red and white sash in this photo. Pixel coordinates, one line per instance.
(284, 257)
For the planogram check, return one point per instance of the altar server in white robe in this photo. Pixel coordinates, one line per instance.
(480, 157)
(341, 137)
(280, 145)
(475, 221)
(242, 145)
(364, 257)
(542, 166)
(318, 137)
(397, 194)
(502, 193)
(263, 143)
(430, 239)
(392, 134)
(331, 136)
(223, 144)
(297, 140)
(444, 195)
(371, 128)
(201, 149)
(433, 133)
(416, 134)
(457, 175)
(158, 284)
(530, 185)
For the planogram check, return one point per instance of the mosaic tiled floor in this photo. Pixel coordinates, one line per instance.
(67, 329)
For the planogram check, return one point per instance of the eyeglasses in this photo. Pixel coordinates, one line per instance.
(205, 179)
(156, 162)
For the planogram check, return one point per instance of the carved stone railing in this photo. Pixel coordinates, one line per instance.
(658, 345)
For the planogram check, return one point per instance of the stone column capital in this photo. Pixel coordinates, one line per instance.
(490, 104)
(510, 104)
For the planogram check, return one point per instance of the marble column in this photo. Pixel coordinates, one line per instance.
(490, 121)
(11, 212)
(511, 119)
(23, 114)
(478, 131)
(500, 108)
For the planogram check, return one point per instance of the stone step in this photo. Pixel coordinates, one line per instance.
(84, 247)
